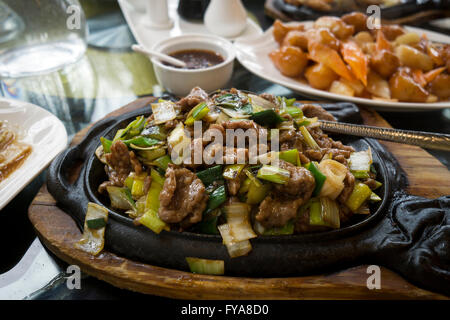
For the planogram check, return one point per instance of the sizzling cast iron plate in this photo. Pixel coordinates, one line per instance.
(408, 234)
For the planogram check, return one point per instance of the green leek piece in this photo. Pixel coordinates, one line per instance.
(330, 212)
(377, 184)
(137, 189)
(156, 177)
(137, 126)
(374, 197)
(291, 156)
(287, 229)
(210, 175)
(245, 186)
(267, 118)
(304, 121)
(208, 225)
(232, 171)
(318, 176)
(256, 194)
(121, 198)
(250, 175)
(150, 155)
(274, 174)
(106, 144)
(206, 266)
(361, 192)
(96, 223)
(162, 162)
(289, 102)
(141, 142)
(309, 139)
(155, 132)
(294, 112)
(133, 129)
(129, 181)
(360, 174)
(197, 113)
(315, 213)
(152, 200)
(216, 198)
(151, 220)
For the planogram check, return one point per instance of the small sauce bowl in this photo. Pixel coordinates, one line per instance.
(180, 81)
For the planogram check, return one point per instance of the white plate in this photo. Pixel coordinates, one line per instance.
(253, 54)
(40, 129)
(148, 37)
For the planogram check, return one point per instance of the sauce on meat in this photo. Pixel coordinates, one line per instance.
(12, 152)
(196, 58)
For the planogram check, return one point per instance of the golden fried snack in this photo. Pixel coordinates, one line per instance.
(338, 27)
(440, 86)
(320, 76)
(289, 60)
(404, 88)
(356, 19)
(280, 30)
(384, 63)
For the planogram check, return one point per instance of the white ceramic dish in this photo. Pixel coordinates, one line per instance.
(253, 54)
(180, 81)
(147, 37)
(40, 129)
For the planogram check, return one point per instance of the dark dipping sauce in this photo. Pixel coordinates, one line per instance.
(196, 58)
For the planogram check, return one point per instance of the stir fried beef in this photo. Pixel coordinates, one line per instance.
(196, 96)
(119, 165)
(311, 111)
(183, 197)
(349, 183)
(276, 212)
(260, 190)
(281, 206)
(301, 182)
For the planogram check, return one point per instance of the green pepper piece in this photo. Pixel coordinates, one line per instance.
(210, 175)
(163, 162)
(268, 118)
(141, 142)
(97, 223)
(318, 176)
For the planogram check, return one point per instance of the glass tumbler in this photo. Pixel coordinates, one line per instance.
(40, 36)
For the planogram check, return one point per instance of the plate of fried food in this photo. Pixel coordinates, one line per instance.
(391, 68)
(30, 137)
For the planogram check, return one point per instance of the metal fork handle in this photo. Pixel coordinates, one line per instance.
(426, 140)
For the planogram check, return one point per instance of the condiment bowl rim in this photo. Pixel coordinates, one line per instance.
(229, 48)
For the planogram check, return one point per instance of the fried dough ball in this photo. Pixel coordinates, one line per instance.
(391, 31)
(356, 19)
(296, 38)
(289, 60)
(385, 63)
(280, 30)
(440, 86)
(404, 88)
(338, 27)
(320, 76)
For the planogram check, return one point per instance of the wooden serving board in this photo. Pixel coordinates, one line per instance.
(58, 232)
